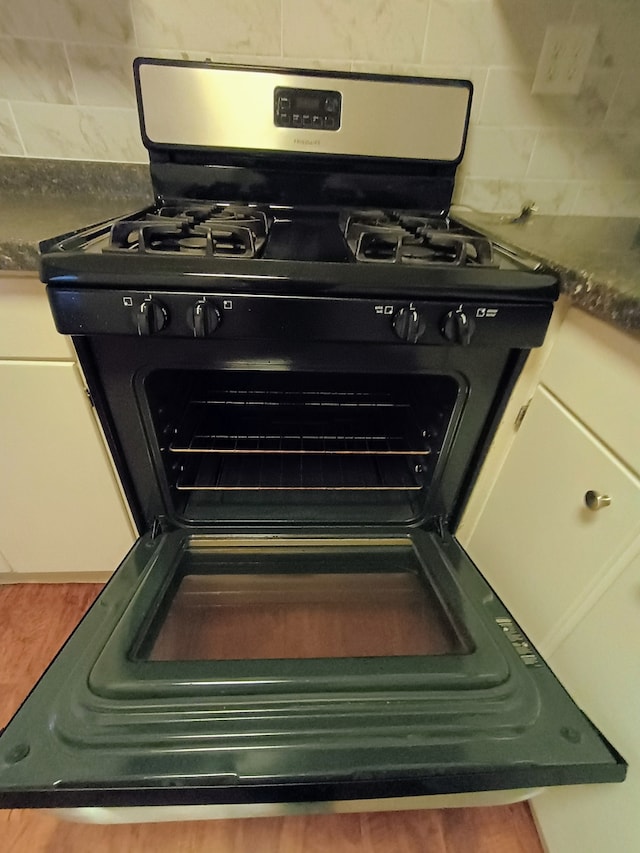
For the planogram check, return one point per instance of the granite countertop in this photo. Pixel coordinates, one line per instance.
(596, 259)
(25, 222)
(40, 199)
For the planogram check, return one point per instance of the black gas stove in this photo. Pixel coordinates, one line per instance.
(299, 361)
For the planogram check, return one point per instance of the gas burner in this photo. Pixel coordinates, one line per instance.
(395, 237)
(416, 224)
(182, 237)
(234, 231)
(250, 217)
(193, 213)
(374, 219)
(367, 218)
(235, 213)
(199, 213)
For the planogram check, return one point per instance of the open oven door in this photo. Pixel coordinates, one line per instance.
(243, 673)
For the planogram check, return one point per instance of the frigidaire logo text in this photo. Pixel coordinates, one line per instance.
(299, 141)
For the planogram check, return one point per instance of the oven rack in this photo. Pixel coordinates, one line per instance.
(303, 473)
(325, 423)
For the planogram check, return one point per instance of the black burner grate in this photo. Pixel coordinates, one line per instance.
(390, 237)
(207, 230)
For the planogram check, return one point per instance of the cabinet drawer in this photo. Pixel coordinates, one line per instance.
(536, 541)
(26, 326)
(595, 370)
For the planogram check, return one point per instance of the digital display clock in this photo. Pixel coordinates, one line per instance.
(308, 103)
(316, 109)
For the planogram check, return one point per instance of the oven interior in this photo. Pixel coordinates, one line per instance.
(282, 447)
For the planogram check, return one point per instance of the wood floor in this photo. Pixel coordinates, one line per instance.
(34, 621)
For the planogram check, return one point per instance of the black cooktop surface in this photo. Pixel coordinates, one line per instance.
(291, 250)
(239, 231)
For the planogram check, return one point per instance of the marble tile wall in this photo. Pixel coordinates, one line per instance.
(66, 85)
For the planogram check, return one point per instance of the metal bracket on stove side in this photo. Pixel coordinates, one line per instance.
(441, 523)
(159, 526)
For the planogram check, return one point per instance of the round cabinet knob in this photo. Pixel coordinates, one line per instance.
(594, 501)
(204, 318)
(151, 316)
(409, 325)
(457, 327)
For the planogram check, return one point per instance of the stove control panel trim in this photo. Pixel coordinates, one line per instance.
(232, 316)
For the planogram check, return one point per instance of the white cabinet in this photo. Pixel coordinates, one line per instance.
(61, 510)
(570, 575)
(545, 553)
(537, 543)
(600, 665)
(5, 568)
(595, 370)
(26, 327)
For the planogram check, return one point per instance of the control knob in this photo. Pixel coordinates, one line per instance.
(204, 318)
(151, 316)
(409, 325)
(457, 327)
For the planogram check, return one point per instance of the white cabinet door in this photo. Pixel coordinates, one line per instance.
(599, 663)
(537, 543)
(60, 506)
(27, 329)
(594, 369)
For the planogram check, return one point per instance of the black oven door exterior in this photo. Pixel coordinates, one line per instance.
(112, 724)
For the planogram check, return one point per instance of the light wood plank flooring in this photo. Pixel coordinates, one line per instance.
(34, 621)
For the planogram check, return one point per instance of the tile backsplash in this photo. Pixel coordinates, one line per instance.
(66, 83)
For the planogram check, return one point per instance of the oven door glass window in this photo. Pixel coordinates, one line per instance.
(293, 601)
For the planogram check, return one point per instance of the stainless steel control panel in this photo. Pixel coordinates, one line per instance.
(239, 108)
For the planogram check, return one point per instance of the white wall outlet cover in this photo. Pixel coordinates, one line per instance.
(563, 59)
